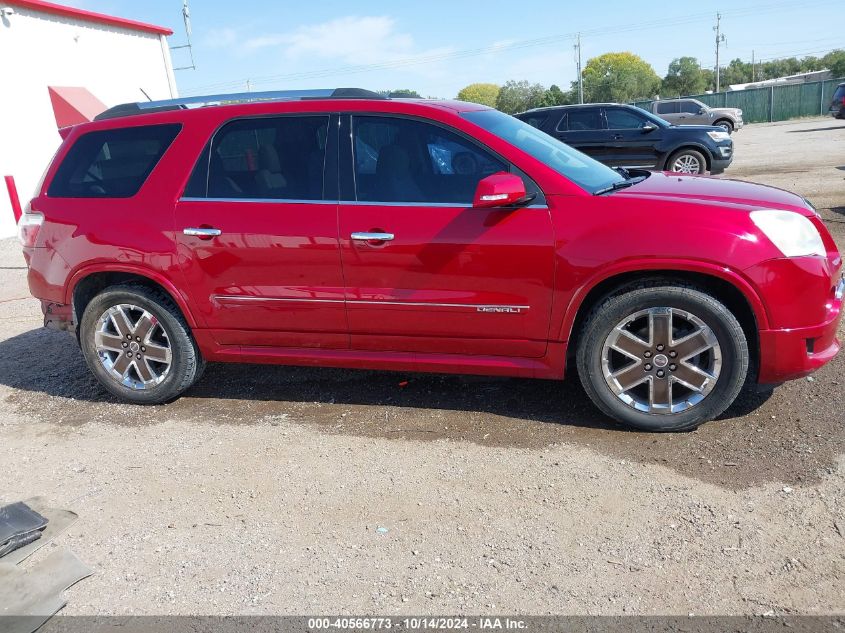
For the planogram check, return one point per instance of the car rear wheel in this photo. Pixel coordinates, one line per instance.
(662, 358)
(138, 345)
(727, 126)
(687, 161)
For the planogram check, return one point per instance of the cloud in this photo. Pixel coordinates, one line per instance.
(352, 40)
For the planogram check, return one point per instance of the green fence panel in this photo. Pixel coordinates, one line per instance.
(772, 103)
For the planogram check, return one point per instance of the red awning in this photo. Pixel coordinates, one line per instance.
(74, 105)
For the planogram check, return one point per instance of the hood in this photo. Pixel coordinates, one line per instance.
(734, 111)
(706, 190)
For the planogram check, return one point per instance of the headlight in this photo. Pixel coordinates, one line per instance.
(719, 136)
(791, 232)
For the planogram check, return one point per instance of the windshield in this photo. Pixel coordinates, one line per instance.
(568, 162)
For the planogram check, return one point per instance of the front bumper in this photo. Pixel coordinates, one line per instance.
(721, 161)
(789, 353)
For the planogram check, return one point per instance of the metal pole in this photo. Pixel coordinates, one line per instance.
(771, 104)
(720, 37)
(580, 76)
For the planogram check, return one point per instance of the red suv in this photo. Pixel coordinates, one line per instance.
(337, 228)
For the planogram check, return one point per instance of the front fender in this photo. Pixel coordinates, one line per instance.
(664, 266)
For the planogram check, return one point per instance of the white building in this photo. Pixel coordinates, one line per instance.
(74, 52)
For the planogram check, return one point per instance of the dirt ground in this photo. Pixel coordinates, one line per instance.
(272, 490)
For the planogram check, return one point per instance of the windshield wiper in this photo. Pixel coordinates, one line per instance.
(622, 184)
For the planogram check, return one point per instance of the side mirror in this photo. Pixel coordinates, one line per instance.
(500, 190)
(702, 110)
(648, 127)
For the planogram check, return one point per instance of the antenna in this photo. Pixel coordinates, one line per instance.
(186, 18)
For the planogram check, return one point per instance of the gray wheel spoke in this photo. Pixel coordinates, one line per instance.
(144, 326)
(111, 342)
(122, 364)
(157, 353)
(661, 326)
(661, 394)
(694, 344)
(692, 377)
(120, 321)
(628, 344)
(630, 377)
(144, 371)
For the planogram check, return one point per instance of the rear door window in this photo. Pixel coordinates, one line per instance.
(667, 107)
(277, 158)
(111, 163)
(584, 120)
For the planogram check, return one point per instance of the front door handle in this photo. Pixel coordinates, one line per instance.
(203, 232)
(372, 237)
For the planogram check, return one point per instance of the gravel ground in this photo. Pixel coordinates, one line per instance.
(271, 490)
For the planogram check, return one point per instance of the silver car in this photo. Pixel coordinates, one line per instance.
(694, 112)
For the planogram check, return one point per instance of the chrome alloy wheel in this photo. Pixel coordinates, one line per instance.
(686, 164)
(661, 360)
(132, 346)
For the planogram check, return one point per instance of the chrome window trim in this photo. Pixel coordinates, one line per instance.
(420, 205)
(259, 200)
(373, 302)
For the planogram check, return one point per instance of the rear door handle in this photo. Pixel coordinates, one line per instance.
(204, 232)
(372, 237)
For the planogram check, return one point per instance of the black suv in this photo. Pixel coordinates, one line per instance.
(622, 135)
(837, 105)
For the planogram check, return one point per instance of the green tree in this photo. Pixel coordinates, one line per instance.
(619, 77)
(485, 94)
(402, 93)
(684, 78)
(737, 72)
(555, 96)
(518, 96)
(835, 62)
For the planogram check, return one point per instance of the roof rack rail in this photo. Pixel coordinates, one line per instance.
(146, 107)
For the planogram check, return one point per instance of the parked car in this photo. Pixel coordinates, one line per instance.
(694, 112)
(621, 135)
(837, 104)
(466, 241)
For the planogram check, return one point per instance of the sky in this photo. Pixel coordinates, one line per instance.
(436, 47)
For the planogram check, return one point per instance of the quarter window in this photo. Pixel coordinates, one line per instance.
(402, 160)
(265, 158)
(111, 163)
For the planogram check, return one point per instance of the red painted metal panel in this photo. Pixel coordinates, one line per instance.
(89, 16)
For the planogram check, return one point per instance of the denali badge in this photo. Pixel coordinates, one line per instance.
(510, 309)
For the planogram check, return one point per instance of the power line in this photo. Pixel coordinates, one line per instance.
(521, 44)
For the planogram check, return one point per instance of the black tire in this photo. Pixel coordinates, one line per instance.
(692, 153)
(726, 124)
(186, 364)
(614, 309)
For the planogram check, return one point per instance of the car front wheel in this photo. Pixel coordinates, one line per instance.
(662, 358)
(138, 345)
(687, 161)
(727, 126)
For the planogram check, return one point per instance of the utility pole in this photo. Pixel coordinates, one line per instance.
(752, 65)
(720, 37)
(577, 48)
